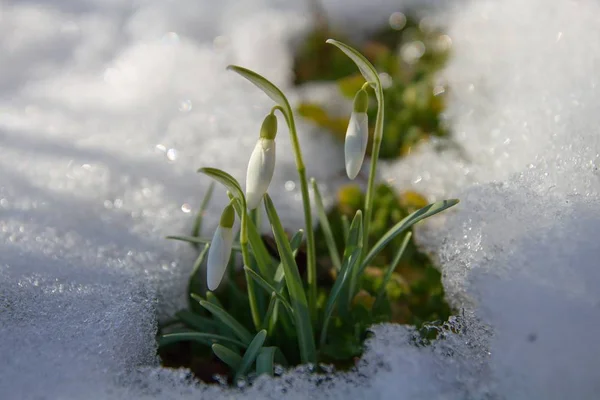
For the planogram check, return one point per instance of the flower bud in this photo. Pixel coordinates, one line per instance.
(220, 249)
(357, 135)
(268, 129)
(262, 163)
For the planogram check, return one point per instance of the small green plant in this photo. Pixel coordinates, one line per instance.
(273, 311)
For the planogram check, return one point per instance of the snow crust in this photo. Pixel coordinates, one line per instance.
(107, 108)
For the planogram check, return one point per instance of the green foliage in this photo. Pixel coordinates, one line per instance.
(415, 97)
(270, 310)
(411, 281)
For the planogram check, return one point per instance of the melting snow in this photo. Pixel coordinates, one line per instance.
(107, 109)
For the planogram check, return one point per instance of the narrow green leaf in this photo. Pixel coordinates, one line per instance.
(391, 268)
(346, 227)
(366, 68)
(264, 260)
(200, 240)
(250, 354)
(267, 358)
(266, 86)
(329, 240)
(271, 316)
(224, 329)
(265, 361)
(257, 246)
(405, 224)
(205, 338)
(195, 270)
(306, 341)
(226, 180)
(197, 228)
(195, 321)
(355, 242)
(339, 291)
(354, 234)
(211, 298)
(190, 239)
(229, 357)
(269, 288)
(348, 266)
(295, 243)
(271, 324)
(242, 333)
(199, 260)
(255, 300)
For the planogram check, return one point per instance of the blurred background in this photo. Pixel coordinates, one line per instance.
(108, 107)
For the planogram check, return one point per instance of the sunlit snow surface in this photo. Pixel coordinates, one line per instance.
(107, 108)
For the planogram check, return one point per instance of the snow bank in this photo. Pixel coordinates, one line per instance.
(106, 111)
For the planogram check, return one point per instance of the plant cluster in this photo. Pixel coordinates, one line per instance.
(272, 311)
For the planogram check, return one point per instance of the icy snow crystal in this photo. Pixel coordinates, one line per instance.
(107, 110)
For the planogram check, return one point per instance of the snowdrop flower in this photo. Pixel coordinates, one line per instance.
(262, 163)
(357, 135)
(220, 249)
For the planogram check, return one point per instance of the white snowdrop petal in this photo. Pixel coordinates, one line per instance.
(355, 146)
(218, 256)
(260, 171)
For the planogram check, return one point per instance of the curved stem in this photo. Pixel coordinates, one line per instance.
(377, 138)
(283, 105)
(254, 309)
(277, 107)
(311, 267)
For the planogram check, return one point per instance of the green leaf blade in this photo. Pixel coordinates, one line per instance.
(205, 338)
(195, 321)
(228, 356)
(238, 329)
(266, 360)
(269, 288)
(365, 67)
(340, 290)
(391, 268)
(197, 228)
(349, 265)
(306, 341)
(329, 240)
(226, 180)
(251, 353)
(405, 224)
(266, 86)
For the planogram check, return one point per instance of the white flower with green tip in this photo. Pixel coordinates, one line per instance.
(220, 249)
(262, 163)
(357, 135)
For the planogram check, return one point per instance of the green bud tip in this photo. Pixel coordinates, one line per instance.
(361, 101)
(228, 217)
(268, 130)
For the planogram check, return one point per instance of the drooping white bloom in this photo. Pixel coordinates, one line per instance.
(357, 135)
(262, 163)
(355, 146)
(220, 249)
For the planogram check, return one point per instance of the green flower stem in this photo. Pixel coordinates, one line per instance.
(252, 299)
(369, 72)
(377, 138)
(283, 105)
(310, 235)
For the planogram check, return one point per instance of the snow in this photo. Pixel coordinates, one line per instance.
(107, 109)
